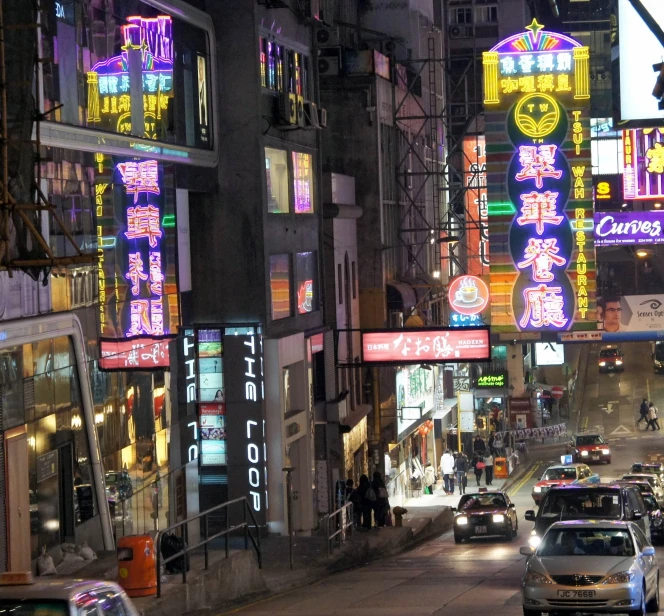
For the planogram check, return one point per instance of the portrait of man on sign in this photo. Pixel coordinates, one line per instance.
(608, 313)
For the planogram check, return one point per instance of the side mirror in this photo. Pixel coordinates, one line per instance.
(530, 515)
(526, 550)
(648, 551)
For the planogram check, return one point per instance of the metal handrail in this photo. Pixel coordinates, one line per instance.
(224, 533)
(345, 515)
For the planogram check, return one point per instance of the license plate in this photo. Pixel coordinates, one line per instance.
(576, 594)
(595, 457)
(480, 530)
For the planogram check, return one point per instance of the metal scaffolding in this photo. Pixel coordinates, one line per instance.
(23, 204)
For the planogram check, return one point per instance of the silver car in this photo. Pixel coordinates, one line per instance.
(591, 566)
(654, 481)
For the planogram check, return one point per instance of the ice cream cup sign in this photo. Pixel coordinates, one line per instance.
(468, 295)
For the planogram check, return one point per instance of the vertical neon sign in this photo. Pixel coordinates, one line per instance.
(542, 254)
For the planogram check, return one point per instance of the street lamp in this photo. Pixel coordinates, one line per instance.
(642, 253)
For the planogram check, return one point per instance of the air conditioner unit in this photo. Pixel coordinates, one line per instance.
(287, 109)
(300, 112)
(460, 32)
(322, 118)
(327, 37)
(329, 62)
(311, 115)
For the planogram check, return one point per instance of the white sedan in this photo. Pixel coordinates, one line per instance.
(591, 566)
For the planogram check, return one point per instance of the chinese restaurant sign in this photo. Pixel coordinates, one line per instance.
(643, 163)
(537, 93)
(134, 354)
(136, 246)
(130, 93)
(625, 228)
(421, 346)
(477, 212)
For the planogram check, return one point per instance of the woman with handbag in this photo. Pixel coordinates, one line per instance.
(488, 467)
(478, 466)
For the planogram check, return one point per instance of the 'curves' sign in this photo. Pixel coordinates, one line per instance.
(628, 228)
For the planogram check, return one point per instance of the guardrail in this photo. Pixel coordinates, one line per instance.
(204, 516)
(340, 520)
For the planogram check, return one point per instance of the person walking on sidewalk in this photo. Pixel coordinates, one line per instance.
(652, 417)
(488, 467)
(461, 470)
(478, 445)
(447, 470)
(643, 412)
(478, 466)
(382, 504)
(429, 478)
(362, 503)
(492, 440)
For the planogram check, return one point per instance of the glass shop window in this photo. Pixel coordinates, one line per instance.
(280, 285)
(303, 183)
(276, 175)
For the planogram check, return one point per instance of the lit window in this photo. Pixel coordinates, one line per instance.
(280, 277)
(307, 282)
(303, 182)
(263, 59)
(276, 175)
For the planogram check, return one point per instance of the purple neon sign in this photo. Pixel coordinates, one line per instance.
(629, 228)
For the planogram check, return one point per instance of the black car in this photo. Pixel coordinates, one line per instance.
(656, 517)
(651, 468)
(483, 514)
(577, 502)
(118, 486)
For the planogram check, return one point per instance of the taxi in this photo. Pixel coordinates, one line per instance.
(589, 447)
(561, 475)
(485, 513)
(611, 359)
(20, 594)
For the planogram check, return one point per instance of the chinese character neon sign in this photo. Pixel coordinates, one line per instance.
(537, 85)
(643, 163)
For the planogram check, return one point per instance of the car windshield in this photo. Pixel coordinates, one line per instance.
(576, 504)
(586, 542)
(592, 439)
(651, 503)
(609, 353)
(560, 473)
(651, 480)
(36, 607)
(643, 486)
(479, 501)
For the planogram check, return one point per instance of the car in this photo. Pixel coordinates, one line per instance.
(611, 359)
(652, 468)
(589, 447)
(596, 566)
(654, 482)
(656, 518)
(658, 357)
(20, 594)
(599, 501)
(562, 474)
(483, 514)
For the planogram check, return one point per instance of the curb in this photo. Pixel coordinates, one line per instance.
(523, 470)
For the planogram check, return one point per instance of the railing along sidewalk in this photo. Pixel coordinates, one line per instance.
(208, 538)
(340, 520)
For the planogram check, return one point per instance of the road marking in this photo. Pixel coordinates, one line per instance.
(584, 423)
(648, 388)
(609, 409)
(515, 489)
(621, 430)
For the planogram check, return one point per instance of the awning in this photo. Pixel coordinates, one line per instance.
(400, 296)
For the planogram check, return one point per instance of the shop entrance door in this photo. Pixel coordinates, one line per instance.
(18, 503)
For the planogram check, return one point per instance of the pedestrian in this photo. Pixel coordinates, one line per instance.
(492, 440)
(447, 470)
(652, 417)
(478, 444)
(478, 467)
(643, 412)
(488, 467)
(461, 470)
(382, 504)
(362, 501)
(429, 478)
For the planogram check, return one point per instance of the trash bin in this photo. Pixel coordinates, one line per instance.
(500, 468)
(137, 565)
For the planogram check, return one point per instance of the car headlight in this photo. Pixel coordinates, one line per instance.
(534, 541)
(624, 577)
(499, 518)
(537, 489)
(606, 452)
(618, 362)
(584, 453)
(532, 577)
(462, 521)
(602, 363)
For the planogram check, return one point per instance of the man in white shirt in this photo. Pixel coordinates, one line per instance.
(447, 470)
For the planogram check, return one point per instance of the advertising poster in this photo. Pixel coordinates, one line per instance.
(415, 397)
(631, 317)
(629, 228)
(643, 163)
(536, 96)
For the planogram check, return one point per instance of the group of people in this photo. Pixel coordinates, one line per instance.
(648, 413)
(454, 467)
(367, 498)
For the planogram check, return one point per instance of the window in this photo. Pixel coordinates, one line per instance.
(272, 62)
(303, 182)
(280, 278)
(307, 282)
(276, 175)
(486, 14)
(461, 15)
(262, 49)
(354, 279)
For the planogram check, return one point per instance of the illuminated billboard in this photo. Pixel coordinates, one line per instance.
(134, 354)
(634, 50)
(643, 163)
(536, 95)
(425, 346)
(631, 317)
(628, 228)
(477, 212)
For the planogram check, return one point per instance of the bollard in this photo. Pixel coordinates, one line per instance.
(399, 512)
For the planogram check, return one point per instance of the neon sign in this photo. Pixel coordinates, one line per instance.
(477, 211)
(643, 163)
(537, 85)
(116, 89)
